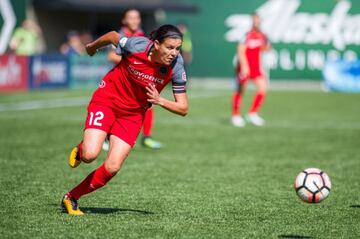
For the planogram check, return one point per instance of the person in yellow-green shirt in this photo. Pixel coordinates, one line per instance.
(25, 40)
(186, 49)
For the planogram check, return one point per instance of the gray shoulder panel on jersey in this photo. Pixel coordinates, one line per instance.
(178, 75)
(132, 45)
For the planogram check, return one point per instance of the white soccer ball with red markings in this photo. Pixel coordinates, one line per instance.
(312, 185)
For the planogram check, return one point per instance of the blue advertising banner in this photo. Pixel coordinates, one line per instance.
(87, 72)
(342, 75)
(49, 72)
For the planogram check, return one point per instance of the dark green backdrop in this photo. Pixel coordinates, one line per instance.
(213, 54)
(19, 7)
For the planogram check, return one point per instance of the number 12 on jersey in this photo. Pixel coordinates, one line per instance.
(95, 120)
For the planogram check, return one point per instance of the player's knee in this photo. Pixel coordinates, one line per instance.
(89, 155)
(88, 158)
(114, 165)
(113, 168)
(262, 89)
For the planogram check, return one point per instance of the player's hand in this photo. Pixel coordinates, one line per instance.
(90, 50)
(153, 94)
(244, 72)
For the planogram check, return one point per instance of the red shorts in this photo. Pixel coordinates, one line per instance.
(254, 73)
(124, 125)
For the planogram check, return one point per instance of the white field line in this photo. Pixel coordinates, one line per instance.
(285, 124)
(278, 124)
(44, 104)
(198, 121)
(74, 101)
(314, 125)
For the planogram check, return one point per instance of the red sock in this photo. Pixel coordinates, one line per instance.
(79, 153)
(148, 122)
(95, 180)
(236, 100)
(258, 100)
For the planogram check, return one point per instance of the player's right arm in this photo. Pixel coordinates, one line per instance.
(244, 65)
(15, 40)
(267, 45)
(106, 39)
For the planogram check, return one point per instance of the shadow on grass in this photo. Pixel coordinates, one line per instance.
(355, 206)
(99, 210)
(293, 236)
(106, 210)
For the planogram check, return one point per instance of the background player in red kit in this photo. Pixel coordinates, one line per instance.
(118, 106)
(249, 67)
(131, 26)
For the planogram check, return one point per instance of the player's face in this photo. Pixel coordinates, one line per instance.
(132, 20)
(168, 50)
(256, 21)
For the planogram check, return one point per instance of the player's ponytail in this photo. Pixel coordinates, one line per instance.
(165, 31)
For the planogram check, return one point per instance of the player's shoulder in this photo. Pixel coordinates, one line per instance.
(135, 44)
(126, 33)
(256, 34)
(263, 34)
(249, 35)
(178, 62)
(140, 33)
(138, 40)
(260, 34)
(178, 75)
(253, 31)
(122, 32)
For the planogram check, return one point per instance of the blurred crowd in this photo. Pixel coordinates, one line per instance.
(27, 39)
(75, 43)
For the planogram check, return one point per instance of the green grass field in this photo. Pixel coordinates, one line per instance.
(211, 180)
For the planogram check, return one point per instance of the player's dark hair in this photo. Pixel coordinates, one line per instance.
(125, 12)
(165, 31)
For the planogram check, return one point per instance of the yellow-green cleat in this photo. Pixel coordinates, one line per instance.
(73, 161)
(70, 206)
(150, 143)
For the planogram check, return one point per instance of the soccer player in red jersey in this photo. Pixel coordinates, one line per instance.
(249, 67)
(118, 106)
(131, 26)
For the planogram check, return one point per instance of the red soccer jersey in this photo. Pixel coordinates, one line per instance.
(123, 87)
(125, 32)
(254, 42)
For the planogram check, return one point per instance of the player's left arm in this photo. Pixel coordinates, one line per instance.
(178, 106)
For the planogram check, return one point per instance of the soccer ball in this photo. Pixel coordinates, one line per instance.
(312, 185)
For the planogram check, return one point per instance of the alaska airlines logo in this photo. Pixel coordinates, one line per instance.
(283, 24)
(144, 76)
